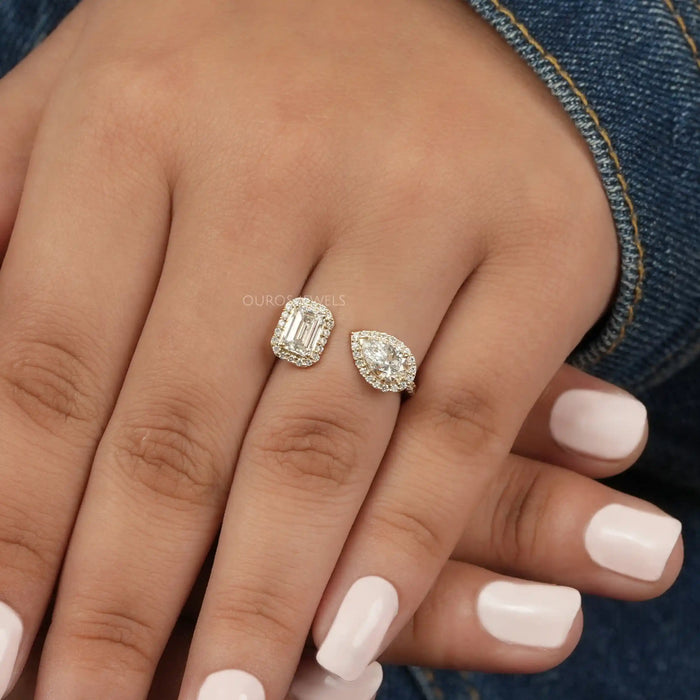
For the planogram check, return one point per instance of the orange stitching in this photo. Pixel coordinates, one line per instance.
(611, 152)
(684, 28)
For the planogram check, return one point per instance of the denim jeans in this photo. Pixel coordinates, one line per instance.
(628, 73)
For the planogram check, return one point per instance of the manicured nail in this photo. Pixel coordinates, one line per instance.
(231, 685)
(10, 637)
(532, 614)
(632, 542)
(598, 424)
(359, 628)
(314, 683)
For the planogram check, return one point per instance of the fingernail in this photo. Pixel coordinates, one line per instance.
(314, 683)
(532, 614)
(632, 542)
(598, 424)
(231, 685)
(359, 628)
(10, 638)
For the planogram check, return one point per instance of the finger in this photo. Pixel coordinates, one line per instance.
(548, 523)
(458, 428)
(307, 461)
(473, 619)
(311, 682)
(585, 424)
(74, 291)
(24, 92)
(163, 469)
(165, 682)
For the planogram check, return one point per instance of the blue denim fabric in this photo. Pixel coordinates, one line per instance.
(24, 23)
(627, 71)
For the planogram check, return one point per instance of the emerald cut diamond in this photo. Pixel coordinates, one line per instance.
(384, 361)
(302, 331)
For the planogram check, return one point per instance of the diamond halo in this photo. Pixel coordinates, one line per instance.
(302, 332)
(384, 361)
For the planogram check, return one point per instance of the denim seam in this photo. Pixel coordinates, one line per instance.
(684, 29)
(630, 290)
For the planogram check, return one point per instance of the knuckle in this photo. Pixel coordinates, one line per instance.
(464, 417)
(415, 532)
(522, 504)
(555, 245)
(111, 638)
(45, 372)
(24, 548)
(260, 610)
(310, 451)
(282, 164)
(168, 446)
(414, 174)
(548, 215)
(121, 103)
(542, 202)
(127, 84)
(546, 224)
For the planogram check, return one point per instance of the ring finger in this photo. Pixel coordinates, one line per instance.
(308, 459)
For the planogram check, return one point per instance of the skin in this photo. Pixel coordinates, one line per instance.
(160, 170)
(443, 633)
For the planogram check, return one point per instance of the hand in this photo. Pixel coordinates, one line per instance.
(444, 632)
(329, 161)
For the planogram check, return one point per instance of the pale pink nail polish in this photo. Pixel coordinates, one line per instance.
(359, 628)
(314, 683)
(598, 424)
(10, 638)
(531, 614)
(231, 684)
(632, 542)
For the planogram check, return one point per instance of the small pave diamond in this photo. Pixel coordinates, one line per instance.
(383, 360)
(302, 331)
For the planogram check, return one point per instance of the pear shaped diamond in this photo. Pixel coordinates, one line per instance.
(383, 360)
